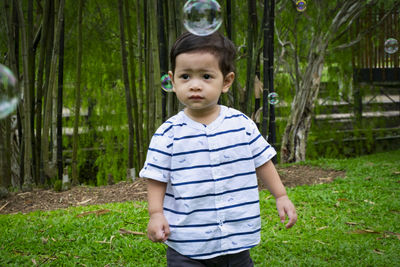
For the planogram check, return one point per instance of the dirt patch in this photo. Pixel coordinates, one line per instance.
(307, 175)
(40, 199)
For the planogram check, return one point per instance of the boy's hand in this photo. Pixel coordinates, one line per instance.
(286, 207)
(158, 228)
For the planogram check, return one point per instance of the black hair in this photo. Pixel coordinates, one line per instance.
(216, 44)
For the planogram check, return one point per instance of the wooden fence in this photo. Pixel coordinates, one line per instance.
(371, 63)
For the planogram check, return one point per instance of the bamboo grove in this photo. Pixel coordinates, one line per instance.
(89, 74)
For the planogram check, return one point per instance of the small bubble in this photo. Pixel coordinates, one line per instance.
(273, 98)
(166, 83)
(391, 46)
(301, 5)
(202, 17)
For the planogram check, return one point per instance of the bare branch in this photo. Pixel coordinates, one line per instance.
(361, 34)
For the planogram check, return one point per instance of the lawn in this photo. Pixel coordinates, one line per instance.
(353, 221)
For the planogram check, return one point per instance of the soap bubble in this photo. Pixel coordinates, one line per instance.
(273, 98)
(301, 5)
(202, 17)
(166, 83)
(9, 95)
(391, 46)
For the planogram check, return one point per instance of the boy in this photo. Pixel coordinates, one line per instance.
(202, 165)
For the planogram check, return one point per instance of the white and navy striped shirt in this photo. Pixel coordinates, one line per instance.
(212, 200)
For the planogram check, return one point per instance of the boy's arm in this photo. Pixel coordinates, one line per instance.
(270, 177)
(158, 227)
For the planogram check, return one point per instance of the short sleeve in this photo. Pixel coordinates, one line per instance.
(261, 150)
(158, 160)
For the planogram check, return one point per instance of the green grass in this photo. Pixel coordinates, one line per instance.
(351, 222)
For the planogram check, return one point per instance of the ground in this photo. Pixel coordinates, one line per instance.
(40, 199)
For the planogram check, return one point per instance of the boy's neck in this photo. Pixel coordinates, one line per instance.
(204, 117)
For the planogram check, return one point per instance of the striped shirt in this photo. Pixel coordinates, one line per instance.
(212, 200)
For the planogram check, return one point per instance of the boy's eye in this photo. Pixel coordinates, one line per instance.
(207, 76)
(185, 76)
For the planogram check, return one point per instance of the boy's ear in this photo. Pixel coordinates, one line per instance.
(228, 80)
(171, 76)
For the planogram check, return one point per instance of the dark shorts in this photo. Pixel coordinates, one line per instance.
(241, 259)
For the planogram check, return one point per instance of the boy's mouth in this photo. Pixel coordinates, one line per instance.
(195, 97)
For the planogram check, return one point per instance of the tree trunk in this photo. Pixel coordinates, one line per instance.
(231, 33)
(39, 86)
(5, 152)
(271, 123)
(294, 140)
(59, 158)
(140, 84)
(156, 59)
(153, 66)
(31, 70)
(138, 131)
(53, 132)
(46, 86)
(126, 83)
(174, 28)
(163, 54)
(12, 27)
(6, 148)
(147, 79)
(48, 166)
(77, 107)
(266, 63)
(28, 179)
(251, 63)
(3, 178)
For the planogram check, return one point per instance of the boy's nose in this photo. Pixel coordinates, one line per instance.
(195, 85)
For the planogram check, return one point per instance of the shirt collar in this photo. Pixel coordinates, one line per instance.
(213, 125)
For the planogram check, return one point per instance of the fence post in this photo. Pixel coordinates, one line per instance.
(357, 105)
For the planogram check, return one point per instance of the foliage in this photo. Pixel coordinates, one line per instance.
(104, 131)
(352, 221)
(103, 140)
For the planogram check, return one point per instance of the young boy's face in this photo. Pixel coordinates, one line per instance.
(198, 81)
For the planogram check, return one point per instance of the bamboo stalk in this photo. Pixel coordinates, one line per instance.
(77, 105)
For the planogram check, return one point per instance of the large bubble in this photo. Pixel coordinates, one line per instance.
(202, 17)
(9, 93)
(391, 46)
(166, 83)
